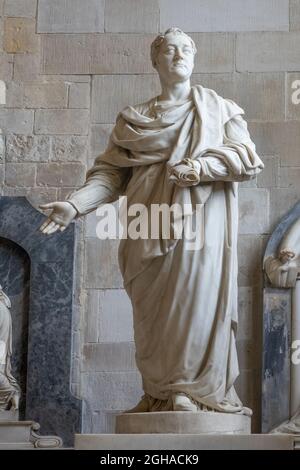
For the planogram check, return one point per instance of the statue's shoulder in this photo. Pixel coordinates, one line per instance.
(212, 99)
(210, 93)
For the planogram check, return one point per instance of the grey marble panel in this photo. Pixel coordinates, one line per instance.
(48, 397)
(277, 338)
(276, 357)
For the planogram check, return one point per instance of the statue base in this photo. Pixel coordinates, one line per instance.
(163, 442)
(9, 415)
(183, 422)
(24, 434)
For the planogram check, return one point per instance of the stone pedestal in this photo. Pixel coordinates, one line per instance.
(24, 435)
(182, 422)
(9, 415)
(164, 442)
(16, 434)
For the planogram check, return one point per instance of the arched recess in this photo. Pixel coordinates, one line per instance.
(50, 313)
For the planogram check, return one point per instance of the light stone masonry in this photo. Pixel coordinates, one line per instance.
(127, 89)
(232, 15)
(79, 95)
(20, 174)
(253, 211)
(102, 269)
(246, 353)
(215, 52)
(245, 313)
(108, 317)
(68, 148)
(6, 66)
(26, 67)
(14, 95)
(132, 20)
(96, 53)
(20, 8)
(90, 319)
(36, 95)
(70, 16)
(115, 320)
(111, 390)
(258, 102)
(108, 357)
(281, 201)
(269, 177)
(61, 121)
(99, 138)
(279, 139)
(249, 258)
(268, 52)
(18, 121)
(2, 148)
(294, 15)
(45, 95)
(27, 148)
(60, 174)
(126, 53)
(19, 36)
(289, 177)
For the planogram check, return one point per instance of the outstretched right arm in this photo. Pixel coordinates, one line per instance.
(104, 183)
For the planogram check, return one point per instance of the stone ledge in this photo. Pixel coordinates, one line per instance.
(182, 422)
(24, 435)
(9, 415)
(186, 442)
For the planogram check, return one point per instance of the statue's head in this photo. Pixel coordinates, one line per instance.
(172, 55)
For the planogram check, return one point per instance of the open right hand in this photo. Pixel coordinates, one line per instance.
(62, 214)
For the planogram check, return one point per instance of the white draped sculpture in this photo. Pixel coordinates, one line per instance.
(186, 146)
(9, 388)
(283, 271)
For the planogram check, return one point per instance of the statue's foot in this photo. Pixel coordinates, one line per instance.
(246, 411)
(15, 401)
(141, 407)
(182, 402)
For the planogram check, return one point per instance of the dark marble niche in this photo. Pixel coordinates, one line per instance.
(277, 338)
(276, 357)
(37, 273)
(15, 278)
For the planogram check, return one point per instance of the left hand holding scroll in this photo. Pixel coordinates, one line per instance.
(185, 173)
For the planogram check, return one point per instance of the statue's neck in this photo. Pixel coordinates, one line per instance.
(175, 91)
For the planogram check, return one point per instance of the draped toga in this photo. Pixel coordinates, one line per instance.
(184, 301)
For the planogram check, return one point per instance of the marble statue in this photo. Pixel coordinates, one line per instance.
(9, 388)
(283, 271)
(186, 146)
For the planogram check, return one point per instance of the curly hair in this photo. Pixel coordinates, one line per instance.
(160, 38)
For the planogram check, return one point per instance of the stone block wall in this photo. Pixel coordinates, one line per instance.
(68, 67)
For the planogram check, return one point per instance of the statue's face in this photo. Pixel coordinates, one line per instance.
(175, 60)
